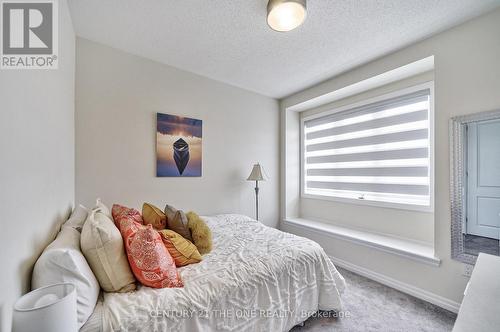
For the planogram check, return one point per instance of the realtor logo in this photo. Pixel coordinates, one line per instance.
(29, 34)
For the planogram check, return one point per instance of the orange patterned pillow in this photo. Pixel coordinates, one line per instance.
(148, 257)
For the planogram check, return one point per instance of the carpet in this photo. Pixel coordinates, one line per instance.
(371, 306)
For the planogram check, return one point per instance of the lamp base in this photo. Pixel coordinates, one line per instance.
(256, 200)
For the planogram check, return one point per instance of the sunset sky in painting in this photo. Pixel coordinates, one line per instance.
(178, 126)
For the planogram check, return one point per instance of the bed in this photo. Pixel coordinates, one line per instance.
(256, 278)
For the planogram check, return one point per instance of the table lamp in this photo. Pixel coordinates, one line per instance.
(47, 309)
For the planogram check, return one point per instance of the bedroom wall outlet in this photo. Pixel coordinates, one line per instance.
(468, 270)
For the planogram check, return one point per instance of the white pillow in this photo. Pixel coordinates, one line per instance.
(62, 261)
(102, 245)
(103, 208)
(77, 218)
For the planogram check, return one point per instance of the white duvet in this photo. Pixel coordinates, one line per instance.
(256, 278)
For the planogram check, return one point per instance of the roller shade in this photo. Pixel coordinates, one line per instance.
(377, 152)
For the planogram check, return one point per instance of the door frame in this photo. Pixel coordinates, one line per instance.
(457, 141)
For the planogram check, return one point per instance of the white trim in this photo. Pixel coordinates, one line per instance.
(431, 147)
(388, 77)
(427, 208)
(414, 250)
(420, 293)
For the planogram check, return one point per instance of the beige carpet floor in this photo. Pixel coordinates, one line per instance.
(370, 306)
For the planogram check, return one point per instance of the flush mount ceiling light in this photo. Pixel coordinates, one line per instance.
(285, 15)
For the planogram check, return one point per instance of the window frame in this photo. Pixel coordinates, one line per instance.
(397, 93)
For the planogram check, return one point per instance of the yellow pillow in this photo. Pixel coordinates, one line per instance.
(154, 216)
(182, 251)
(200, 233)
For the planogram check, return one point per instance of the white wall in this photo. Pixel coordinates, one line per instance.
(467, 80)
(37, 166)
(118, 95)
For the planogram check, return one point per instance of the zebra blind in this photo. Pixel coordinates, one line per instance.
(377, 152)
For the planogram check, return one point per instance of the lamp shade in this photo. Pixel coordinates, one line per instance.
(47, 309)
(257, 173)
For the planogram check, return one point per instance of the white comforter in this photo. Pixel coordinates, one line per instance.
(256, 278)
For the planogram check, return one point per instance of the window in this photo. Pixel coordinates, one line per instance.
(378, 152)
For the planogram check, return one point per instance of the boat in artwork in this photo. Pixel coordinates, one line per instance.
(181, 154)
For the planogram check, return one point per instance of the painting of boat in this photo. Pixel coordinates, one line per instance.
(178, 146)
(181, 154)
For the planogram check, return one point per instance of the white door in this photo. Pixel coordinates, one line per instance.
(483, 192)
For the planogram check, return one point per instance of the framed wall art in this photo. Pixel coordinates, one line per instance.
(178, 146)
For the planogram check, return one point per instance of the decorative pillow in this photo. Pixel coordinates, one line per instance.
(201, 234)
(121, 212)
(177, 221)
(104, 209)
(183, 252)
(149, 259)
(154, 216)
(77, 218)
(102, 246)
(62, 261)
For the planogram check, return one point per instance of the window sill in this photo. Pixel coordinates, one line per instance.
(402, 247)
(379, 204)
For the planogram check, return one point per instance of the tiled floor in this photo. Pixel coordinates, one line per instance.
(475, 244)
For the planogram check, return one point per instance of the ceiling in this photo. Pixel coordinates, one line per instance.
(229, 40)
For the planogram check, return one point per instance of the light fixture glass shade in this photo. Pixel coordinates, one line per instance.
(286, 15)
(257, 173)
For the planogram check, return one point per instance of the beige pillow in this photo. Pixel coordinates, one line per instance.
(177, 221)
(102, 246)
(103, 208)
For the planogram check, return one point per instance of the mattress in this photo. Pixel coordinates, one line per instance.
(256, 278)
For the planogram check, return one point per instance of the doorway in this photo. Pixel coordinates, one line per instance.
(482, 229)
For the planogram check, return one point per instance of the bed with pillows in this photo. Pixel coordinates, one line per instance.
(165, 270)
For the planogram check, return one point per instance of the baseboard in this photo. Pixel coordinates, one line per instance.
(400, 286)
